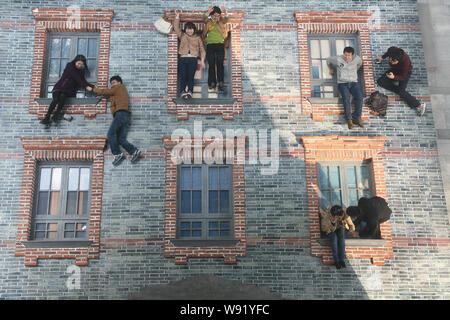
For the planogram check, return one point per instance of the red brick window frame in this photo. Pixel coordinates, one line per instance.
(229, 252)
(227, 110)
(65, 20)
(41, 149)
(340, 149)
(332, 22)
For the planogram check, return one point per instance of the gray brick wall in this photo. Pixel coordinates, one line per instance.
(134, 195)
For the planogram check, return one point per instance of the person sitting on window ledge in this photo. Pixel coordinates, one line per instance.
(214, 35)
(368, 216)
(401, 70)
(117, 133)
(191, 48)
(347, 66)
(67, 86)
(334, 223)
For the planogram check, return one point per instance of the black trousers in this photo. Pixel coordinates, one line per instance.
(58, 103)
(215, 54)
(388, 84)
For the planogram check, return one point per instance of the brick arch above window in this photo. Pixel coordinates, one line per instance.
(332, 22)
(207, 106)
(340, 149)
(43, 149)
(69, 20)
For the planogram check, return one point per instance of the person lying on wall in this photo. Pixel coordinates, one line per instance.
(335, 223)
(117, 133)
(368, 216)
(67, 86)
(215, 35)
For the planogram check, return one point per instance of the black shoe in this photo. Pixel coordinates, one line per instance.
(118, 159)
(221, 86)
(45, 121)
(212, 85)
(342, 263)
(338, 265)
(136, 154)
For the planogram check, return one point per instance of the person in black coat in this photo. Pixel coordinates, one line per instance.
(67, 86)
(368, 216)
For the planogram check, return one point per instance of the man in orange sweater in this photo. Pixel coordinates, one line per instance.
(117, 133)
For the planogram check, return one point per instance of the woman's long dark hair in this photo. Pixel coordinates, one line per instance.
(80, 57)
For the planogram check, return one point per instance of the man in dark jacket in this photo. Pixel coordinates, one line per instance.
(401, 69)
(368, 216)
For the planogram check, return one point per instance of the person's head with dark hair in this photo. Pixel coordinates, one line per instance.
(80, 62)
(336, 211)
(190, 28)
(353, 212)
(215, 13)
(349, 52)
(395, 57)
(115, 80)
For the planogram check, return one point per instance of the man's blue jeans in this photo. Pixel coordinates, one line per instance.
(354, 89)
(117, 133)
(337, 241)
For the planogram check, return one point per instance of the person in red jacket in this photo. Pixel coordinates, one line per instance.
(401, 69)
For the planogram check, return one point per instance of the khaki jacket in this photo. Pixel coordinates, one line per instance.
(189, 44)
(327, 225)
(118, 96)
(220, 25)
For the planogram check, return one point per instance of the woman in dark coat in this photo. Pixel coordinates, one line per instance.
(71, 79)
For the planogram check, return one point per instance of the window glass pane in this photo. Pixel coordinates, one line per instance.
(81, 230)
(325, 48)
(363, 177)
(213, 202)
(185, 229)
(351, 177)
(66, 44)
(54, 68)
(39, 235)
(315, 49)
(92, 69)
(185, 202)
(92, 50)
(316, 92)
(224, 178)
(54, 203)
(197, 233)
(83, 202)
(340, 45)
(64, 63)
(196, 229)
(316, 69)
(55, 48)
(336, 198)
(42, 202)
(84, 179)
(71, 202)
(185, 178)
(82, 46)
(44, 183)
(52, 231)
(323, 177)
(335, 182)
(56, 178)
(326, 70)
(224, 201)
(329, 92)
(73, 179)
(196, 178)
(196, 202)
(352, 197)
(351, 43)
(213, 178)
(325, 200)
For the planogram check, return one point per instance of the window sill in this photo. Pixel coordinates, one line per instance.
(70, 101)
(209, 102)
(366, 243)
(325, 100)
(57, 243)
(204, 243)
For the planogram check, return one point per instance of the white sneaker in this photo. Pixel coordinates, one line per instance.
(421, 109)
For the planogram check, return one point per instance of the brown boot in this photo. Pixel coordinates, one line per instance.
(359, 122)
(350, 123)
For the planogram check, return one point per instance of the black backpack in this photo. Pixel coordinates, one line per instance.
(377, 103)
